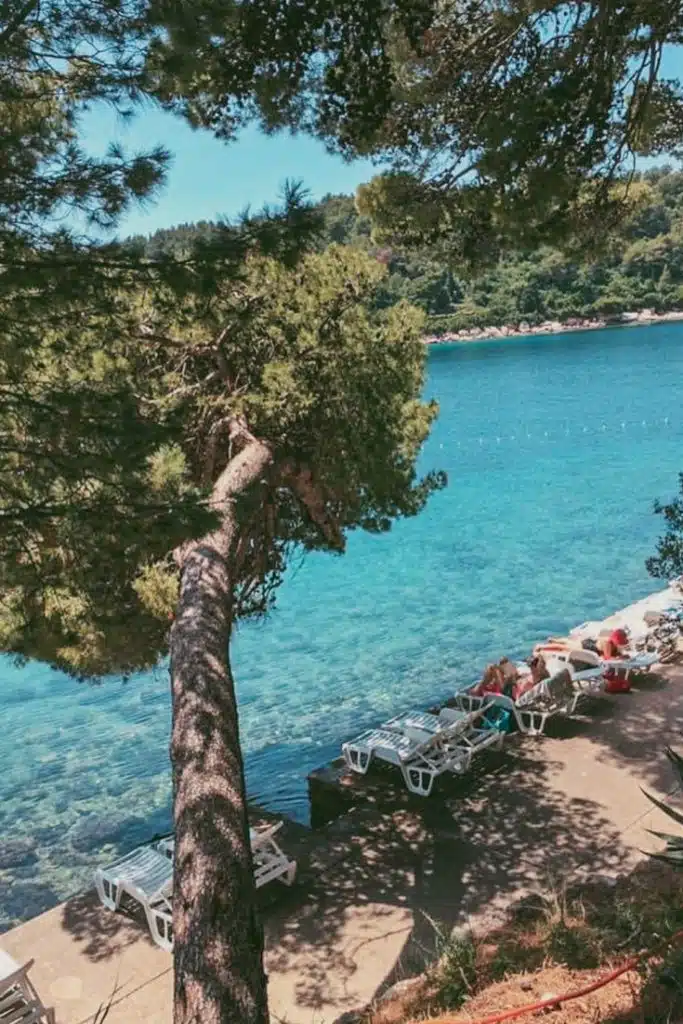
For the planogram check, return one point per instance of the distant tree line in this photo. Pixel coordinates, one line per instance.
(639, 266)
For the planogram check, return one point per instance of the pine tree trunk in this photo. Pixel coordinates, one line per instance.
(218, 941)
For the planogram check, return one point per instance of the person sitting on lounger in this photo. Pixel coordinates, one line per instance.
(614, 648)
(510, 677)
(615, 645)
(491, 682)
(538, 672)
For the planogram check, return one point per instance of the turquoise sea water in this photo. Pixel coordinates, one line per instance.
(555, 449)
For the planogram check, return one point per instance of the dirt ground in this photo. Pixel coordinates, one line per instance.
(560, 946)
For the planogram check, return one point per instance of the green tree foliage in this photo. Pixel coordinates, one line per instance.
(497, 120)
(513, 121)
(638, 267)
(241, 400)
(668, 562)
(175, 421)
(57, 57)
(56, 286)
(288, 64)
(673, 853)
(297, 353)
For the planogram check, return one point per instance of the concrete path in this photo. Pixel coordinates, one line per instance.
(382, 881)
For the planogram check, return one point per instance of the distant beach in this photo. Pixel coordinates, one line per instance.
(524, 329)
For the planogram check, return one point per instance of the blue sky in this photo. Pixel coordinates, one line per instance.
(209, 179)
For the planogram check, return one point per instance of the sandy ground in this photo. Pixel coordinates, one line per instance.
(375, 888)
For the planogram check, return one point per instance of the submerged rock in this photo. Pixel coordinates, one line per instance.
(16, 853)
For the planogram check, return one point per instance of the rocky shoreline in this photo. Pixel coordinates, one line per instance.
(524, 329)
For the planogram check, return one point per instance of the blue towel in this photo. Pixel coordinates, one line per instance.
(499, 718)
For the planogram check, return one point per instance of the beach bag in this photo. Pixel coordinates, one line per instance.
(500, 719)
(616, 682)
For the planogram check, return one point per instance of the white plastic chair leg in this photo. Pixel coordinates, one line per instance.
(533, 722)
(161, 928)
(418, 781)
(357, 760)
(109, 892)
(288, 879)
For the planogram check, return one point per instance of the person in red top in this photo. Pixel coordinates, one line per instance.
(614, 648)
(492, 682)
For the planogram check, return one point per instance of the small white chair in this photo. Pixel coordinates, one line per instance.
(19, 1000)
(270, 861)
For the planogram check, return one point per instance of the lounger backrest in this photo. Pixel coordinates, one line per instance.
(456, 718)
(419, 737)
(534, 694)
(575, 656)
(560, 687)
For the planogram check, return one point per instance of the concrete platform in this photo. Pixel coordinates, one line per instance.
(375, 882)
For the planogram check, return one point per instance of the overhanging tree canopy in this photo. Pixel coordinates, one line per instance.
(220, 405)
(296, 413)
(58, 287)
(496, 117)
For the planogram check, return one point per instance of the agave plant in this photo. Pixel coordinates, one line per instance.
(673, 854)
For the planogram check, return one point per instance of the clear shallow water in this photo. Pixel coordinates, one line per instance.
(555, 450)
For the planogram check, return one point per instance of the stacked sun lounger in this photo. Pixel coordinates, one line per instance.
(423, 745)
(146, 876)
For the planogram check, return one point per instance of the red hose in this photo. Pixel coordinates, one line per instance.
(497, 1018)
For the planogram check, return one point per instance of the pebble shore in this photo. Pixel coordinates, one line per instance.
(524, 329)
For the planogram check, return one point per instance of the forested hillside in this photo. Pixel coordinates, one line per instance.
(640, 268)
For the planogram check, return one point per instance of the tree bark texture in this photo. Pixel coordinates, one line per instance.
(218, 940)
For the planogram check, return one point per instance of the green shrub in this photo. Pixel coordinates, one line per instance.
(673, 853)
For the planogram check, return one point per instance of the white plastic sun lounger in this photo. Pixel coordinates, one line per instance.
(638, 663)
(19, 1000)
(446, 743)
(450, 721)
(553, 698)
(146, 875)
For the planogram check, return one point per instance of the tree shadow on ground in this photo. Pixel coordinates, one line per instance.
(103, 934)
(442, 861)
(642, 724)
